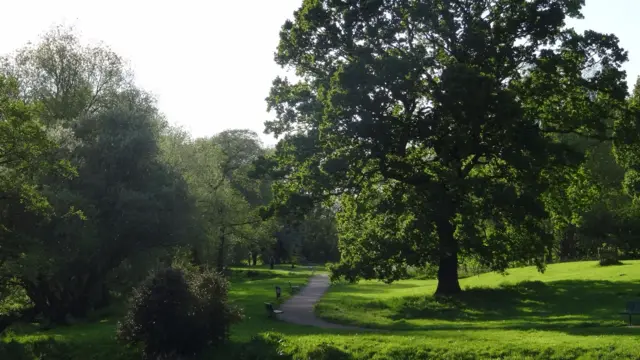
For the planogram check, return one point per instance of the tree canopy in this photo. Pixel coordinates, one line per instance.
(439, 125)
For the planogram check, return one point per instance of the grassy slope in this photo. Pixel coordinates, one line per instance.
(569, 311)
(570, 314)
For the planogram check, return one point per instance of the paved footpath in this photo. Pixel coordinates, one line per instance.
(299, 308)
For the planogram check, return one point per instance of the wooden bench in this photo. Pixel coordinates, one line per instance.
(294, 288)
(633, 308)
(271, 311)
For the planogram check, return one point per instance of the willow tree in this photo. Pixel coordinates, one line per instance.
(436, 123)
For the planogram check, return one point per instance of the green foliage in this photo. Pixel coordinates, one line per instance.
(217, 171)
(25, 150)
(124, 200)
(325, 351)
(213, 308)
(439, 126)
(69, 78)
(312, 237)
(159, 318)
(173, 313)
(44, 349)
(262, 347)
(608, 255)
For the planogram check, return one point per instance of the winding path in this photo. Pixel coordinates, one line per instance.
(299, 308)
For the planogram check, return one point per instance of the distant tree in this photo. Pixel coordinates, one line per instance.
(68, 78)
(437, 125)
(218, 171)
(312, 237)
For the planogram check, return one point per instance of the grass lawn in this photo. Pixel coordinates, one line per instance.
(96, 340)
(570, 312)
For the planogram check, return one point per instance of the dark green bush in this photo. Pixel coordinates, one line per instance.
(175, 314)
(325, 351)
(214, 313)
(14, 350)
(262, 347)
(608, 255)
(46, 349)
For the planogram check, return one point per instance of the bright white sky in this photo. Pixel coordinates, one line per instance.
(210, 63)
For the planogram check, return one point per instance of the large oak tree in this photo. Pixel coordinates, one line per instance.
(437, 124)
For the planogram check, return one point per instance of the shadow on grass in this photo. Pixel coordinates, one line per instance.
(274, 345)
(576, 306)
(371, 288)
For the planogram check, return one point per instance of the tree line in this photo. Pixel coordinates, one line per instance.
(418, 134)
(97, 188)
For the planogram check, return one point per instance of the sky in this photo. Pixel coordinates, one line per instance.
(210, 62)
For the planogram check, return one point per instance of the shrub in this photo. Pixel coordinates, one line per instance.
(174, 313)
(262, 347)
(212, 308)
(46, 348)
(608, 255)
(325, 351)
(14, 350)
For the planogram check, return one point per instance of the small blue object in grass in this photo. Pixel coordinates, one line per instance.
(278, 292)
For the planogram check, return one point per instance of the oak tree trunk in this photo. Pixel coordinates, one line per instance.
(448, 267)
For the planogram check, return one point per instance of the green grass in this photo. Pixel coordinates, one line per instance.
(570, 312)
(96, 340)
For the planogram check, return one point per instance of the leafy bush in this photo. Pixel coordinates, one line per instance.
(42, 349)
(325, 351)
(213, 310)
(468, 266)
(14, 350)
(608, 255)
(427, 272)
(174, 313)
(263, 347)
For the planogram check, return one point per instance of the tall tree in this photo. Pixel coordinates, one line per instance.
(131, 201)
(217, 170)
(25, 148)
(26, 156)
(68, 78)
(436, 122)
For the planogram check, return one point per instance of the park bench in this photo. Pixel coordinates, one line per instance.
(294, 288)
(633, 308)
(271, 311)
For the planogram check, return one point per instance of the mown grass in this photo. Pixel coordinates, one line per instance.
(567, 296)
(570, 312)
(96, 340)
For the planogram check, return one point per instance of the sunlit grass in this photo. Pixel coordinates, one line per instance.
(566, 295)
(569, 312)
